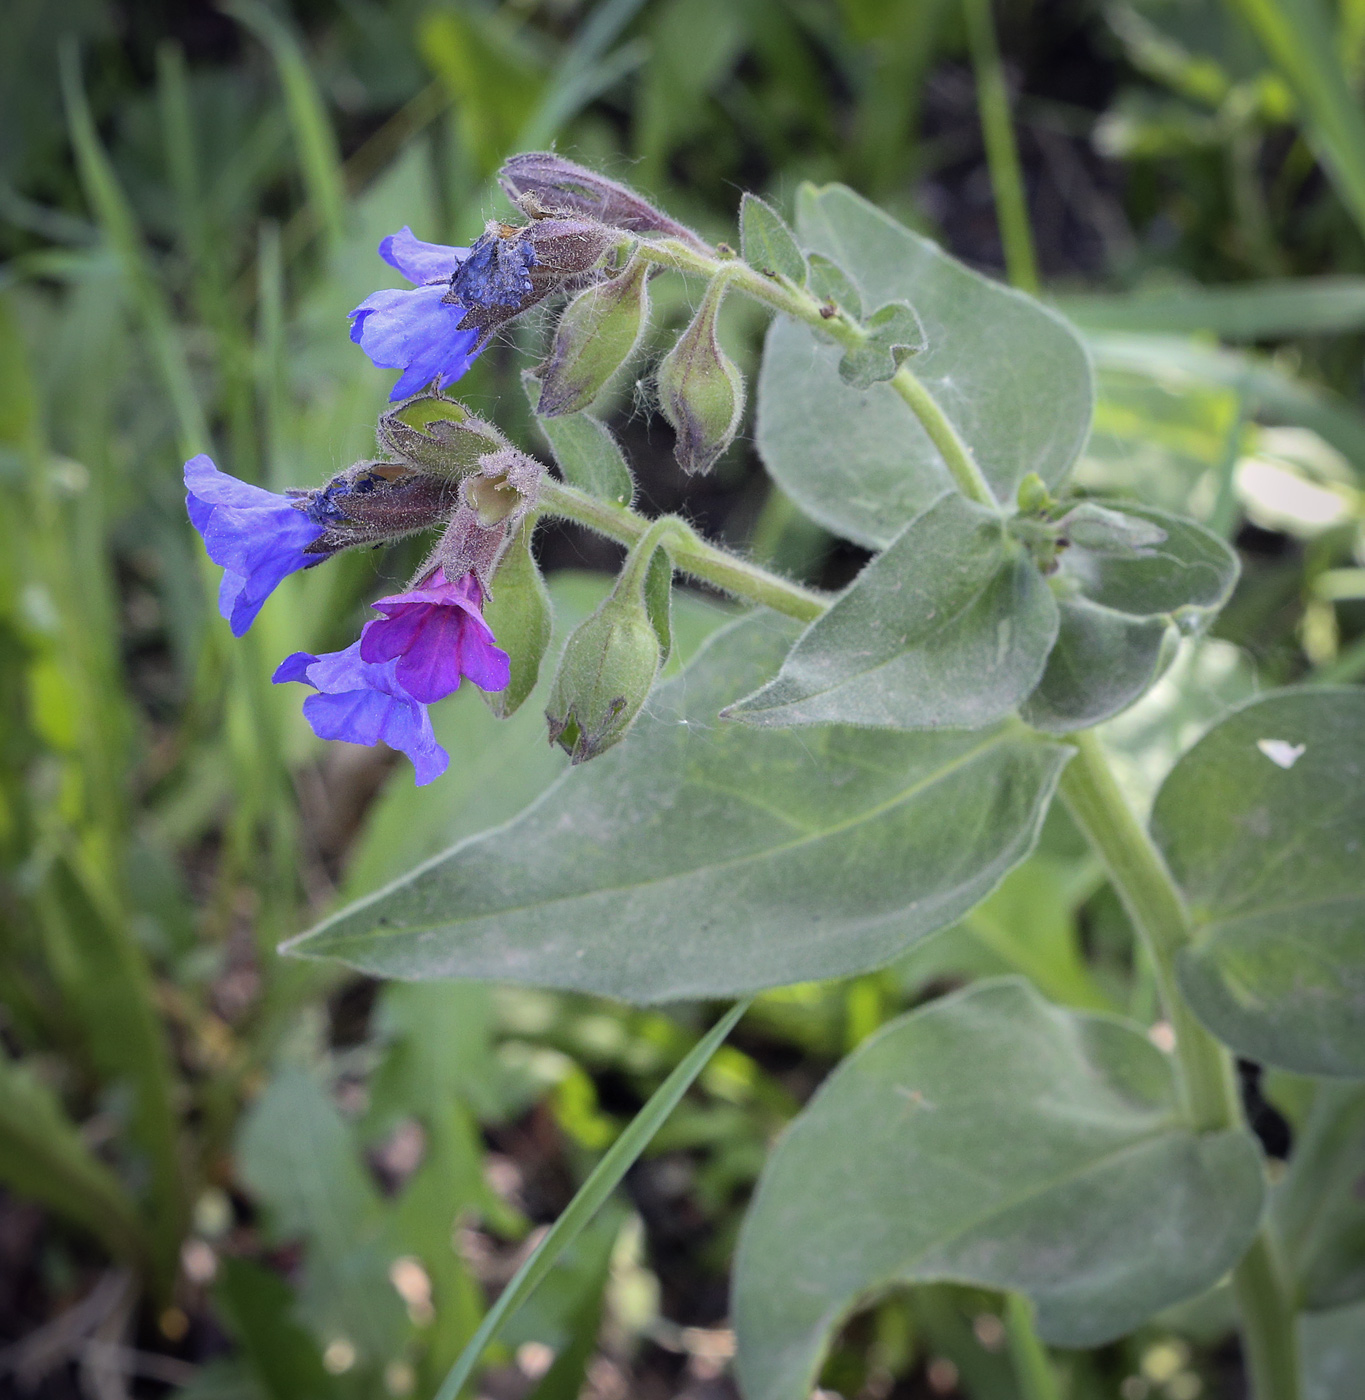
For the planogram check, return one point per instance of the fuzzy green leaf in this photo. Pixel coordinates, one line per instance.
(768, 244)
(1122, 613)
(1263, 824)
(995, 1139)
(1010, 375)
(949, 628)
(769, 857)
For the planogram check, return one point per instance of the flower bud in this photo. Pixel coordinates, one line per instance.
(518, 610)
(701, 392)
(512, 267)
(606, 671)
(373, 502)
(559, 184)
(437, 435)
(596, 335)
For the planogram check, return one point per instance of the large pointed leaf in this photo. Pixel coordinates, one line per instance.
(1011, 376)
(994, 1139)
(1121, 616)
(1263, 823)
(704, 859)
(949, 628)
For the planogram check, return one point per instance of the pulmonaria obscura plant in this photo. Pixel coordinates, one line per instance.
(832, 779)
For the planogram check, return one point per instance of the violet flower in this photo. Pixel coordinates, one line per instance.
(417, 330)
(364, 703)
(428, 640)
(257, 536)
(437, 636)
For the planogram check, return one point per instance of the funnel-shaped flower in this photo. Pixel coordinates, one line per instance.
(364, 704)
(258, 537)
(436, 635)
(417, 330)
(428, 640)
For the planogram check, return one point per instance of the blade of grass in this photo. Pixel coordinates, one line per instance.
(116, 218)
(1298, 38)
(319, 156)
(44, 1157)
(605, 1177)
(1002, 154)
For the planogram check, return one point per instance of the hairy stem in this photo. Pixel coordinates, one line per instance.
(1204, 1068)
(689, 552)
(838, 325)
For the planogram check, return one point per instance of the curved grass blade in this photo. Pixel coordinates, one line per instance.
(619, 1158)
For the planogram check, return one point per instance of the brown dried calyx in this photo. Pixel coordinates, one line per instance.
(561, 186)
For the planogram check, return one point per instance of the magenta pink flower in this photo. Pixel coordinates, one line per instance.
(437, 634)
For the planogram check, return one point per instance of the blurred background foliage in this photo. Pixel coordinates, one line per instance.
(255, 1180)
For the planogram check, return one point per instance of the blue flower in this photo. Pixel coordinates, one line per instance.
(363, 703)
(258, 537)
(497, 272)
(417, 330)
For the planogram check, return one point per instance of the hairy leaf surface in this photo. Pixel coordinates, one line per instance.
(1121, 616)
(703, 859)
(995, 1139)
(1263, 823)
(1011, 376)
(949, 628)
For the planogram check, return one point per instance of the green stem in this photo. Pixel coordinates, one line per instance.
(1032, 1366)
(1204, 1068)
(1002, 155)
(689, 552)
(798, 303)
(1270, 1339)
(605, 1177)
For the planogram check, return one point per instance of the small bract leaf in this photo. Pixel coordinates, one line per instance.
(993, 1139)
(949, 628)
(768, 244)
(519, 612)
(1011, 376)
(830, 282)
(1272, 863)
(1144, 578)
(894, 334)
(771, 857)
(586, 452)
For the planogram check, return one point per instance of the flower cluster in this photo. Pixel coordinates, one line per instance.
(448, 470)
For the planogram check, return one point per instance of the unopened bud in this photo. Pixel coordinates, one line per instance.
(560, 185)
(1034, 498)
(438, 435)
(701, 392)
(373, 502)
(514, 266)
(596, 335)
(518, 610)
(605, 674)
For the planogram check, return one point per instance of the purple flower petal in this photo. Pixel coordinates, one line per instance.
(436, 633)
(362, 703)
(257, 536)
(421, 262)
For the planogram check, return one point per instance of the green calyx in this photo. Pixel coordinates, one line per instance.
(701, 392)
(438, 435)
(597, 334)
